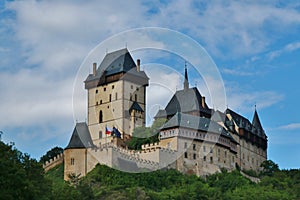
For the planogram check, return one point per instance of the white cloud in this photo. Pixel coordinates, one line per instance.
(287, 48)
(244, 101)
(292, 126)
(55, 36)
(237, 72)
(30, 98)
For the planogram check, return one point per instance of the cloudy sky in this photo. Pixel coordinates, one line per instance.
(255, 46)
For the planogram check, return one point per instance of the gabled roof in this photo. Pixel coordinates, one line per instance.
(117, 61)
(136, 106)
(184, 101)
(196, 123)
(81, 137)
(114, 63)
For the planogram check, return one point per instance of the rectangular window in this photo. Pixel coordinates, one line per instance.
(211, 160)
(109, 97)
(194, 156)
(72, 161)
(204, 158)
(211, 150)
(116, 95)
(194, 147)
(225, 154)
(185, 155)
(185, 145)
(204, 149)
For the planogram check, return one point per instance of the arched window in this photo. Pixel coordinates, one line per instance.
(100, 116)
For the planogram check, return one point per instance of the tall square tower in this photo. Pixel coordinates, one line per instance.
(116, 96)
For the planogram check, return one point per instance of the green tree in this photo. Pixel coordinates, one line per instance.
(145, 135)
(21, 177)
(51, 154)
(269, 168)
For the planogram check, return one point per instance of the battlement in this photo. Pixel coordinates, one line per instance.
(58, 159)
(152, 156)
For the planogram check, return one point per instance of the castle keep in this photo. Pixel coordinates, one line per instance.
(195, 138)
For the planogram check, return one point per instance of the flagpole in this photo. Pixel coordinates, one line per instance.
(105, 136)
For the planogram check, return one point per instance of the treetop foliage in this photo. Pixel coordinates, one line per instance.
(22, 177)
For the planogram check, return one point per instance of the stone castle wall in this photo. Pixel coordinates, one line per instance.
(57, 160)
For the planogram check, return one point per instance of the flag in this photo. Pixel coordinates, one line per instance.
(116, 132)
(107, 130)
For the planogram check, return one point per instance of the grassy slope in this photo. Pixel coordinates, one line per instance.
(106, 183)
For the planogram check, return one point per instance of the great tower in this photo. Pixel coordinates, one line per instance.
(116, 96)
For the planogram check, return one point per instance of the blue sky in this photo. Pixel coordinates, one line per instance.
(254, 44)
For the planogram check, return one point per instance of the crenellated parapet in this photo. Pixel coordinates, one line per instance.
(58, 159)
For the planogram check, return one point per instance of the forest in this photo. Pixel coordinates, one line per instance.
(22, 177)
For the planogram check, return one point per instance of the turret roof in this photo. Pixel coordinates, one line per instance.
(81, 137)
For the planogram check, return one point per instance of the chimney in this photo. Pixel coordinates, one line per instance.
(138, 65)
(203, 102)
(94, 69)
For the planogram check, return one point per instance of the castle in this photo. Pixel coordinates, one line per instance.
(195, 138)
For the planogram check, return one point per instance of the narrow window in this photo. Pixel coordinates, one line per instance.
(112, 86)
(135, 97)
(225, 154)
(211, 160)
(100, 134)
(185, 145)
(100, 116)
(72, 161)
(211, 150)
(100, 101)
(96, 91)
(109, 97)
(130, 97)
(116, 96)
(185, 155)
(204, 158)
(194, 147)
(204, 149)
(194, 156)
(104, 89)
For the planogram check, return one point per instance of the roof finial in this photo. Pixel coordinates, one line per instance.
(186, 80)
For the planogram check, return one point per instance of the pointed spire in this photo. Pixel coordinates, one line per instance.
(186, 80)
(256, 122)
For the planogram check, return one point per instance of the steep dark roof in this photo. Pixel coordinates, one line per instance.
(136, 106)
(256, 122)
(196, 123)
(81, 137)
(186, 100)
(114, 63)
(244, 123)
(218, 116)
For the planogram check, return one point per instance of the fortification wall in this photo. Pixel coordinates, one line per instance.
(53, 162)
